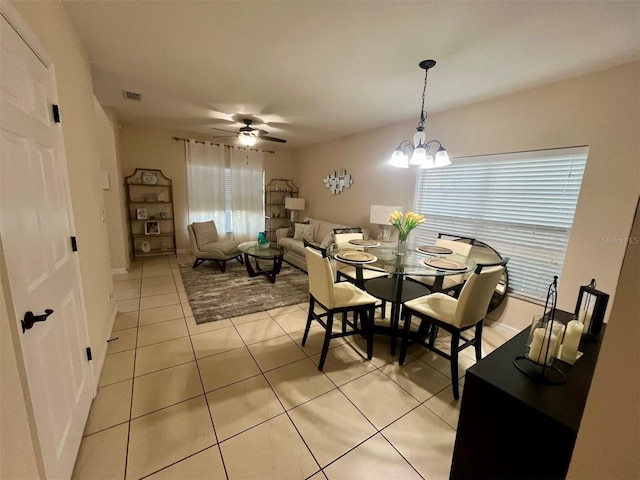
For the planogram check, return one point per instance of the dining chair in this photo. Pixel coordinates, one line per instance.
(455, 315)
(451, 284)
(349, 272)
(335, 298)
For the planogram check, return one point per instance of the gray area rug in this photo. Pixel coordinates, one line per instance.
(214, 295)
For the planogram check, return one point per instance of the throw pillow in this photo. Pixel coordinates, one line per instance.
(303, 232)
(348, 230)
(326, 241)
(292, 229)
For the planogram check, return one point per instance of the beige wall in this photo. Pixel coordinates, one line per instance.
(600, 110)
(608, 444)
(114, 196)
(154, 148)
(51, 25)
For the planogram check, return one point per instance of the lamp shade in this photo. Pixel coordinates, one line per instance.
(379, 214)
(294, 203)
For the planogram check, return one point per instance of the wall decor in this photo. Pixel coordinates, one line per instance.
(337, 181)
(141, 213)
(149, 178)
(152, 228)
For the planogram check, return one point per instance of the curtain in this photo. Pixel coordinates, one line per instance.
(205, 183)
(247, 193)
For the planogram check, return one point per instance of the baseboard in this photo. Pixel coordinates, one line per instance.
(501, 326)
(117, 271)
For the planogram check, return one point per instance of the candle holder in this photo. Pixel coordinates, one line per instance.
(590, 309)
(543, 343)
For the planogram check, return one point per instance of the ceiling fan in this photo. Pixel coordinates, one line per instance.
(249, 136)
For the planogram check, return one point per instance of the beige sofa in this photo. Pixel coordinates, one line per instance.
(295, 248)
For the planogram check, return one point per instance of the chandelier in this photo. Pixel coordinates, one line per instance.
(421, 152)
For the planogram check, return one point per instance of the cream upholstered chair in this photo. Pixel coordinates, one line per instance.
(450, 282)
(455, 315)
(206, 245)
(335, 298)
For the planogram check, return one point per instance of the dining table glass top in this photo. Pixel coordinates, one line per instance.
(374, 255)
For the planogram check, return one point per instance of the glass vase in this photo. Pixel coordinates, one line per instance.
(263, 241)
(403, 246)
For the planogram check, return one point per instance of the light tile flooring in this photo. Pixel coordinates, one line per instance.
(242, 399)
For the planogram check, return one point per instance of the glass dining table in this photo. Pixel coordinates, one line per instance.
(417, 262)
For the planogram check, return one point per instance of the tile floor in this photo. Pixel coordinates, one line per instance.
(241, 399)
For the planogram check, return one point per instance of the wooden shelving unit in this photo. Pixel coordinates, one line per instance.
(152, 228)
(276, 216)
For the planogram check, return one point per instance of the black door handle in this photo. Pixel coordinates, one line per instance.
(30, 319)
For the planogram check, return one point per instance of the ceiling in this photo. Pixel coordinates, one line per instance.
(312, 71)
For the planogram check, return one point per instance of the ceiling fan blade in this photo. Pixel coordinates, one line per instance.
(272, 139)
(222, 130)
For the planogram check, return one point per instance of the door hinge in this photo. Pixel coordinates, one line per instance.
(89, 356)
(74, 244)
(56, 113)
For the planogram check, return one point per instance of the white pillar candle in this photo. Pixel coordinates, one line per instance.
(571, 340)
(558, 330)
(541, 348)
(587, 322)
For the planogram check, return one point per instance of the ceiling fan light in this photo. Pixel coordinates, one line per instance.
(399, 159)
(247, 140)
(442, 158)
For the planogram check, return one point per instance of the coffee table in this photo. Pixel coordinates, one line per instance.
(272, 254)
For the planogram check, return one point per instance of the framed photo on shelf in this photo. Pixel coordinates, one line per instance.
(149, 178)
(141, 214)
(152, 227)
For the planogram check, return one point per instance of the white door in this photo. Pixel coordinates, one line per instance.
(43, 271)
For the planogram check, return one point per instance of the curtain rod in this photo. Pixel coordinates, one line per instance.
(177, 139)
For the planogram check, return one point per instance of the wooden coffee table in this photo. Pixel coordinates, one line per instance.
(272, 254)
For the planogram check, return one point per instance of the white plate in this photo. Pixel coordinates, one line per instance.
(444, 264)
(364, 243)
(356, 257)
(435, 250)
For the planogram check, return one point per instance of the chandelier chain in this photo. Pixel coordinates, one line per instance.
(423, 113)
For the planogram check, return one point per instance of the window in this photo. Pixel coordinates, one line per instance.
(522, 204)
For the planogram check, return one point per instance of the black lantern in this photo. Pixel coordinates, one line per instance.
(590, 309)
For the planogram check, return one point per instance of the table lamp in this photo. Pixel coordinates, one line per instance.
(380, 214)
(294, 204)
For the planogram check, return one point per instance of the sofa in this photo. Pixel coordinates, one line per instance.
(322, 236)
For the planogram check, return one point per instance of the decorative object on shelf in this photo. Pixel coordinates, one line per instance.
(164, 246)
(379, 214)
(141, 214)
(590, 309)
(263, 241)
(276, 193)
(411, 221)
(294, 205)
(145, 247)
(160, 197)
(164, 215)
(337, 181)
(152, 227)
(150, 197)
(543, 344)
(420, 149)
(149, 178)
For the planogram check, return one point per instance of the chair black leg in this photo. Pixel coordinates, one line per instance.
(455, 340)
(478, 340)
(198, 261)
(309, 319)
(327, 339)
(383, 308)
(344, 321)
(370, 316)
(405, 337)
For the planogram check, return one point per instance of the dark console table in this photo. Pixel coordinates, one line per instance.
(512, 427)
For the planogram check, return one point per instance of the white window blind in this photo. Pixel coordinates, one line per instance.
(522, 204)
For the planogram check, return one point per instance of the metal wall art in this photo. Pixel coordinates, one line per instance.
(337, 181)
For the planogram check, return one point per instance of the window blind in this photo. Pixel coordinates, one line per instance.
(522, 204)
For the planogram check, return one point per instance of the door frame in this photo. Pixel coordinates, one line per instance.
(12, 16)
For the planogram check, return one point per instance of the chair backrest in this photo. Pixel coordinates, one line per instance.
(204, 232)
(345, 237)
(320, 277)
(476, 293)
(460, 248)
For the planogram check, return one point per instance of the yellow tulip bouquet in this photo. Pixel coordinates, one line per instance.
(411, 221)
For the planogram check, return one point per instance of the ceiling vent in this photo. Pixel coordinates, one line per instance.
(136, 97)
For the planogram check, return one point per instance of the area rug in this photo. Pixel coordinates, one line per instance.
(214, 295)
